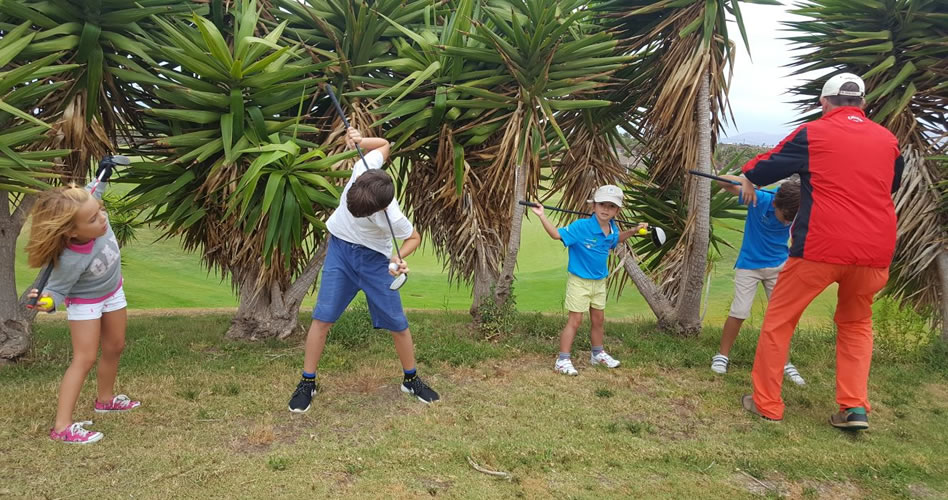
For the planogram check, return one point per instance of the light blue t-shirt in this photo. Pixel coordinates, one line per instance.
(765, 237)
(589, 247)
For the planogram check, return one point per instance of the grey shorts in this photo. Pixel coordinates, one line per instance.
(745, 288)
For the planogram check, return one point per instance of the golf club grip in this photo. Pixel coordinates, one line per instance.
(44, 277)
(722, 179)
(97, 181)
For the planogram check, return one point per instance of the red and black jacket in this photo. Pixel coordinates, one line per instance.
(849, 167)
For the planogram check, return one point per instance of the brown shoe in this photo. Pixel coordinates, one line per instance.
(850, 421)
(747, 401)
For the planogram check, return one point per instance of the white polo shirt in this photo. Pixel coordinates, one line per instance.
(372, 231)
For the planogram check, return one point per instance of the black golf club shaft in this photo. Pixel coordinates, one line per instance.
(722, 179)
(531, 204)
(345, 122)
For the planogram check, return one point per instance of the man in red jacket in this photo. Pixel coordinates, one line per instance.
(844, 233)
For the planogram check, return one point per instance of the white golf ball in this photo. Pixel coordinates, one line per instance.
(392, 266)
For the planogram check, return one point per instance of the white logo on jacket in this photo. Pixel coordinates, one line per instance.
(111, 255)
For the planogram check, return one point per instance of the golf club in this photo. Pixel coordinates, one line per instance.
(43, 278)
(658, 234)
(403, 277)
(722, 179)
(112, 160)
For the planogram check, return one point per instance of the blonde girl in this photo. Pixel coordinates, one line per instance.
(71, 232)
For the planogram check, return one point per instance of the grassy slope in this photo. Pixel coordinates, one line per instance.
(160, 275)
(214, 422)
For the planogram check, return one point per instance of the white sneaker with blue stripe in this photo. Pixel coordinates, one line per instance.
(791, 372)
(719, 364)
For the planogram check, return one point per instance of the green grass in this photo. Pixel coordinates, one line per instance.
(158, 274)
(214, 422)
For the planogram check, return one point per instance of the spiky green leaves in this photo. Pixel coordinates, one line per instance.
(226, 127)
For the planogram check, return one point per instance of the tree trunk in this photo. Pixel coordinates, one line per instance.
(15, 334)
(505, 281)
(484, 282)
(688, 313)
(15, 319)
(943, 278)
(275, 312)
(661, 307)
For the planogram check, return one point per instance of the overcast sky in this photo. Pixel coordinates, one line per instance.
(758, 89)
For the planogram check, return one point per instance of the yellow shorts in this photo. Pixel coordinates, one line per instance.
(581, 294)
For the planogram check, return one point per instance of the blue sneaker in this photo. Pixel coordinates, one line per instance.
(851, 419)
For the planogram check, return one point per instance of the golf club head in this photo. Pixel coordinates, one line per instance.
(658, 236)
(398, 281)
(119, 160)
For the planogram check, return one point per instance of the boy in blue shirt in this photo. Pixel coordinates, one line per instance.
(588, 241)
(763, 252)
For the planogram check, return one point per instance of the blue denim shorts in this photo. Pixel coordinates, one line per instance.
(349, 268)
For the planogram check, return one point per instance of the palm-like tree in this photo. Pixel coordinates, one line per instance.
(90, 110)
(475, 105)
(684, 90)
(480, 97)
(561, 63)
(230, 177)
(356, 37)
(898, 47)
(22, 172)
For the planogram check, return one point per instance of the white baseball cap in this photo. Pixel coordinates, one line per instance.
(608, 193)
(833, 85)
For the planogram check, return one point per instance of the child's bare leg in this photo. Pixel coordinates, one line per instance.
(85, 345)
(732, 326)
(405, 348)
(315, 342)
(569, 331)
(406, 354)
(596, 331)
(113, 343)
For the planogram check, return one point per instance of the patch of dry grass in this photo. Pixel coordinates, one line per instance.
(215, 425)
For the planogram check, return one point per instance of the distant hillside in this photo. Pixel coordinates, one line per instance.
(754, 139)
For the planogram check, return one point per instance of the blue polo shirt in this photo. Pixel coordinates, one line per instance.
(765, 237)
(589, 247)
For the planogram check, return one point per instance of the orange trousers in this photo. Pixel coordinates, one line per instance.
(797, 285)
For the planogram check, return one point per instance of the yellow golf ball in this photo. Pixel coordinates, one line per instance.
(643, 231)
(45, 302)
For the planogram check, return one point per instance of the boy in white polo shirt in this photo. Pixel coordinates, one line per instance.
(589, 241)
(360, 251)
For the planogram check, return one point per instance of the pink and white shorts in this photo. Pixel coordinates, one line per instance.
(80, 312)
